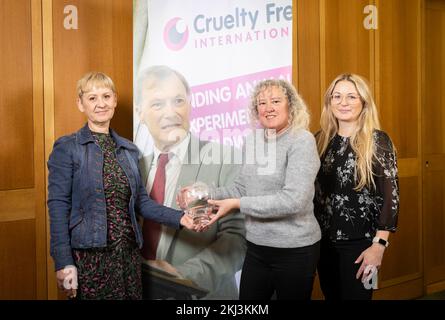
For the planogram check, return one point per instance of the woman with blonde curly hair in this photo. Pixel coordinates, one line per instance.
(357, 195)
(281, 230)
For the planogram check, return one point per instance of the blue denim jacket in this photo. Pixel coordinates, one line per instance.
(76, 198)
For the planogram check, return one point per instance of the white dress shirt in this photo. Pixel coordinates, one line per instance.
(172, 169)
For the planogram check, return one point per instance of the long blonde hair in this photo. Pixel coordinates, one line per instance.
(361, 140)
(298, 112)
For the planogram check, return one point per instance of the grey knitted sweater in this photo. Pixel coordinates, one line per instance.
(278, 203)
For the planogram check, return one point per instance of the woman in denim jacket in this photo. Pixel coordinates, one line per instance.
(94, 193)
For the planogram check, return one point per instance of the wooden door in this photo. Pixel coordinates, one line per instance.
(434, 146)
(22, 201)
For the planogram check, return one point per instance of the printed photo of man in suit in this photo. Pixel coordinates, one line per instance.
(211, 258)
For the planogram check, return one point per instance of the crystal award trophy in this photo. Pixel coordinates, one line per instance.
(195, 203)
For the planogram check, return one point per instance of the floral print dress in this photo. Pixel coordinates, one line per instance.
(346, 214)
(113, 272)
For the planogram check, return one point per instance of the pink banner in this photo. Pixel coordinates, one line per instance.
(220, 109)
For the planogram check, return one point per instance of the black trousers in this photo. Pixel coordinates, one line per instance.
(337, 270)
(287, 272)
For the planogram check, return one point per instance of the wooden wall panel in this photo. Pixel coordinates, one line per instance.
(18, 260)
(433, 146)
(39, 151)
(403, 257)
(16, 120)
(22, 201)
(397, 82)
(346, 44)
(17, 205)
(407, 290)
(398, 73)
(307, 63)
(434, 107)
(102, 42)
(434, 209)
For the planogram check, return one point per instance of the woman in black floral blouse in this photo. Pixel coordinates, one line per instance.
(357, 193)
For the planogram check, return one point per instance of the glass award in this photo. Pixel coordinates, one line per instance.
(195, 202)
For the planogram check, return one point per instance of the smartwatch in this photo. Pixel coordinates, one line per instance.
(383, 242)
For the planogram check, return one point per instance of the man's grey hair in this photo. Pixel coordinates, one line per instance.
(155, 74)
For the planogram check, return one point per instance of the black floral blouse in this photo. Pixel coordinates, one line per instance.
(346, 214)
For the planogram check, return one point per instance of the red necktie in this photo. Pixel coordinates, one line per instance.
(151, 230)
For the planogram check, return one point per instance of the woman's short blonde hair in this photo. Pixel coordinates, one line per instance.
(94, 79)
(298, 112)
